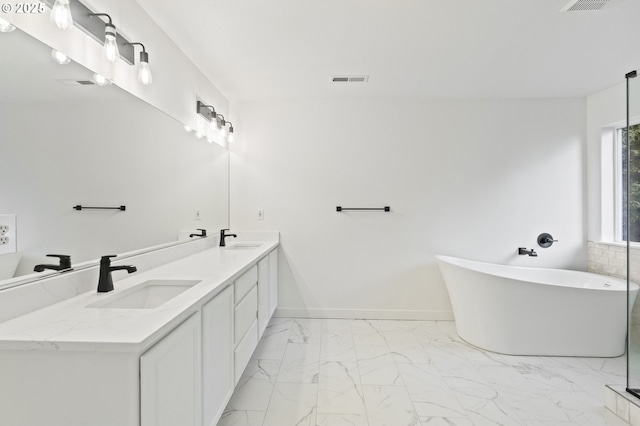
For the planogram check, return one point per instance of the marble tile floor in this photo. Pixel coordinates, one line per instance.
(330, 372)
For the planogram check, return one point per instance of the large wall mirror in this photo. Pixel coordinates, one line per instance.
(66, 142)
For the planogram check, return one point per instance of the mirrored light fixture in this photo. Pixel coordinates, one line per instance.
(230, 136)
(101, 80)
(61, 15)
(110, 45)
(6, 27)
(144, 74)
(198, 135)
(59, 57)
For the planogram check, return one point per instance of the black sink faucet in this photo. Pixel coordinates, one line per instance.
(224, 235)
(105, 282)
(65, 263)
(203, 233)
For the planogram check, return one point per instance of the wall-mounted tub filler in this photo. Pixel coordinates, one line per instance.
(545, 240)
(522, 251)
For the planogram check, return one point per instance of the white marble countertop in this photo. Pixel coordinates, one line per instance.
(70, 325)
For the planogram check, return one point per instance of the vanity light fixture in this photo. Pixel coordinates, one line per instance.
(101, 80)
(59, 57)
(144, 74)
(61, 15)
(110, 44)
(6, 27)
(206, 111)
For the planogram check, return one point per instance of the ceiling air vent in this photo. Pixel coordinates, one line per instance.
(350, 78)
(580, 5)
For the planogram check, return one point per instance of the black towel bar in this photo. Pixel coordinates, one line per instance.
(385, 208)
(79, 207)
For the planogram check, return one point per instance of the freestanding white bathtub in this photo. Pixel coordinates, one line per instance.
(536, 311)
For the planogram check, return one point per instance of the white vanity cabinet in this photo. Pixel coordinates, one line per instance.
(183, 375)
(245, 320)
(273, 281)
(263, 295)
(170, 378)
(217, 356)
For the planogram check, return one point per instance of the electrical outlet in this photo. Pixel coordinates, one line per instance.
(197, 215)
(260, 214)
(8, 235)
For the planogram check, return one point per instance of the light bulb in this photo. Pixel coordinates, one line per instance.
(110, 44)
(61, 15)
(198, 135)
(6, 27)
(144, 75)
(101, 80)
(59, 57)
(187, 128)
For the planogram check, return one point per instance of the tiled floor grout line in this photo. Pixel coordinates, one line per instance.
(273, 389)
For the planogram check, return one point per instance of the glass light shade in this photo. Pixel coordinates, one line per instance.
(6, 27)
(198, 135)
(101, 80)
(231, 137)
(144, 74)
(61, 15)
(187, 128)
(59, 57)
(110, 45)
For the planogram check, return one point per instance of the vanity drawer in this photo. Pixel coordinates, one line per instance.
(245, 349)
(245, 313)
(245, 282)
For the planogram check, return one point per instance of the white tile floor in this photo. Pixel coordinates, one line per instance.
(396, 373)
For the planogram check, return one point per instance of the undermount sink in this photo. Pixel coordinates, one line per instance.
(147, 295)
(241, 246)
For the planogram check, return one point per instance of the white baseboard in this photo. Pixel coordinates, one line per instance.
(386, 314)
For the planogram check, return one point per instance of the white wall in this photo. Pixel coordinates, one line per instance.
(105, 154)
(474, 179)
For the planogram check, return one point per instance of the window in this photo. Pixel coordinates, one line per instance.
(633, 215)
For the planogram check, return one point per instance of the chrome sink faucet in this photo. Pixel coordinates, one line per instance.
(105, 282)
(224, 235)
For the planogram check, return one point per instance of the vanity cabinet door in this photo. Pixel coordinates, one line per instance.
(273, 282)
(170, 378)
(263, 295)
(217, 356)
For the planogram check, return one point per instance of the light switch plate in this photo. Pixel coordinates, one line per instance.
(8, 234)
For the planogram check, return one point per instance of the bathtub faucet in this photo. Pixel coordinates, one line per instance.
(523, 251)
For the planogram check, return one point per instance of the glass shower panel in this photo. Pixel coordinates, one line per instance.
(630, 138)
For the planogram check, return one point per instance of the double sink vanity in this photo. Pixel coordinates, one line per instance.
(166, 347)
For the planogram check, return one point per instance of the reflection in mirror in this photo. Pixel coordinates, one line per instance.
(67, 142)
